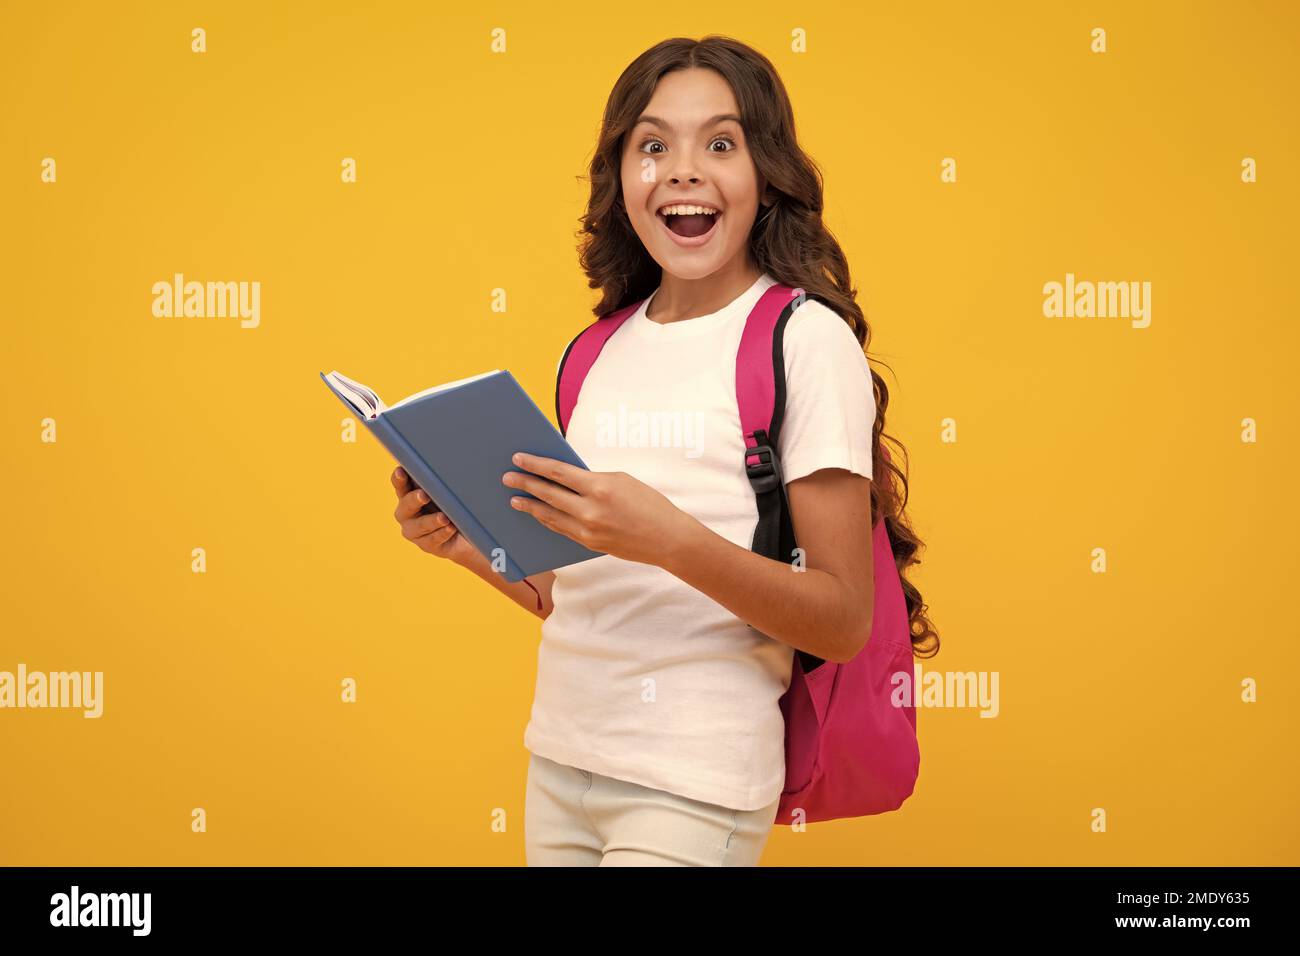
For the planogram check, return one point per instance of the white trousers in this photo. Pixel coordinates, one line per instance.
(575, 817)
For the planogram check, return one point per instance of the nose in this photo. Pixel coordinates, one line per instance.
(682, 170)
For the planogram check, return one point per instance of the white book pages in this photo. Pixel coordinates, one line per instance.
(371, 406)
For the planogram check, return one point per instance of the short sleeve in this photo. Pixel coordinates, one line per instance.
(830, 406)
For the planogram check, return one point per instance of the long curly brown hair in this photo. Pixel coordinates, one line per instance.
(790, 242)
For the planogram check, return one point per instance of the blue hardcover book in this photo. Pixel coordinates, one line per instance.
(455, 441)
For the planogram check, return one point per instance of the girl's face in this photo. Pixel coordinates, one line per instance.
(688, 148)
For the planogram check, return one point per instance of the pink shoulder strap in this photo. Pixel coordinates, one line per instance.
(578, 359)
(757, 392)
(760, 395)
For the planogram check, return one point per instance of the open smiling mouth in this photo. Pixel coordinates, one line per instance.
(692, 228)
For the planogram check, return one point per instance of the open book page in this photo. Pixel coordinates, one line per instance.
(366, 402)
(444, 387)
(370, 405)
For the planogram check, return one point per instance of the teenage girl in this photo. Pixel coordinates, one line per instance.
(656, 736)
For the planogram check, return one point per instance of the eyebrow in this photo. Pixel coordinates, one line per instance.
(712, 121)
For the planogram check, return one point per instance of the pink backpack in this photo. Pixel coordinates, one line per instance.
(849, 751)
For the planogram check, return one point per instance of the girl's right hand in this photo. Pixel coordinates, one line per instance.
(430, 530)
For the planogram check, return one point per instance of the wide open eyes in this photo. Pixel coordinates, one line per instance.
(717, 139)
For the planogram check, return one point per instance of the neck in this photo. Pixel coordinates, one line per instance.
(680, 299)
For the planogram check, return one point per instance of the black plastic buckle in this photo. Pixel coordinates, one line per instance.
(766, 475)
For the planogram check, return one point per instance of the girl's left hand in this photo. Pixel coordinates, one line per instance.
(607, 511)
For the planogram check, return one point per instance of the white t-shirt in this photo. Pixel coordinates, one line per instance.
(640, 676)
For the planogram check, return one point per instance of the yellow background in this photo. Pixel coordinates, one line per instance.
(1118, 690)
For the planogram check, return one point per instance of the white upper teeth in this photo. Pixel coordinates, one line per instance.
(687, 211)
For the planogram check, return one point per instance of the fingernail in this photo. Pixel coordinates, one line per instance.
(515, 502)
(423, 497)
(517, 458)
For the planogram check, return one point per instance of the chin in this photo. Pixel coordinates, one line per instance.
(690, 267)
